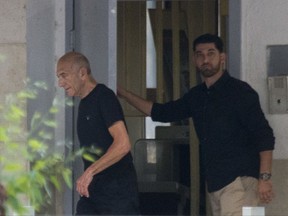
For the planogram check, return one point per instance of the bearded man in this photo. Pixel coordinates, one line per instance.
(236, 141)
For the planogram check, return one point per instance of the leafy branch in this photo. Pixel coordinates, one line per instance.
(29, 168)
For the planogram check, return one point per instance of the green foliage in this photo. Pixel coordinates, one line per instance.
(29, 165)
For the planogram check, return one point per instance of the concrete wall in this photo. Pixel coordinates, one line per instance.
(12, 46)
(32, 36)
(262, 23)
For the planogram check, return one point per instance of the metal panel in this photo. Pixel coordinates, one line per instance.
(278, 94)
(159, 160)
(162, 169)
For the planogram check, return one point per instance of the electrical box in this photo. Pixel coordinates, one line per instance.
(278, 94)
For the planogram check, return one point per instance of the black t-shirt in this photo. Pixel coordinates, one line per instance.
(97, 112)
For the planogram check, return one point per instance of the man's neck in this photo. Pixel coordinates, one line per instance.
(209, 81)
(89, 86)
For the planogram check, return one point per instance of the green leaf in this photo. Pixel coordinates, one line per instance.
(97, 151)
(50, 123)
(36, 197)
(35, 119)
(45, 135)
(16, 112)
(39, 165)
(89, 157)
(36, 145)
(13, 167)
(41, 85)
(69, 102)
(3, 134)
(53, 110)
(27, 94)
(55, 182)
(67, 175)
(38, 177)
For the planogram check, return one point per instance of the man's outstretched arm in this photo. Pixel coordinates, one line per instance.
(136, 101)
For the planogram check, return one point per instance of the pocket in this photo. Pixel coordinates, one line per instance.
(236, 185)
(249, 183)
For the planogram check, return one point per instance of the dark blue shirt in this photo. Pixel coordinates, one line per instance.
(230, 125)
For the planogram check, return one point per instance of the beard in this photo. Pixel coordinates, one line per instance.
(207, 70)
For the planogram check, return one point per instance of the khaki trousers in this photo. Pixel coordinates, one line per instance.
(229, 200)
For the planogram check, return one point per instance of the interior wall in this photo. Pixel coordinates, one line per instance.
(261, 24)
(95, 36)
(234, 38)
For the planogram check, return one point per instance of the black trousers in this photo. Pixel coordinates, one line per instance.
(111, 194)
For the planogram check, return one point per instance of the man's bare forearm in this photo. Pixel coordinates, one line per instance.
(266, 161)
(136, 101)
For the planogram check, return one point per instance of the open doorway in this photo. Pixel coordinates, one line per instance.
(157, 65)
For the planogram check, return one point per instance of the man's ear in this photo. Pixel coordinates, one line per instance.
(223, 57)
(83, 72)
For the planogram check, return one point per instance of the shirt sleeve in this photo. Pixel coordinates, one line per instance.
(252, 116)
(110, 108)
(171, 111)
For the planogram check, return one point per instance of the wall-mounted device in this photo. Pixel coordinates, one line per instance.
(278, 94)
(277, 73)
